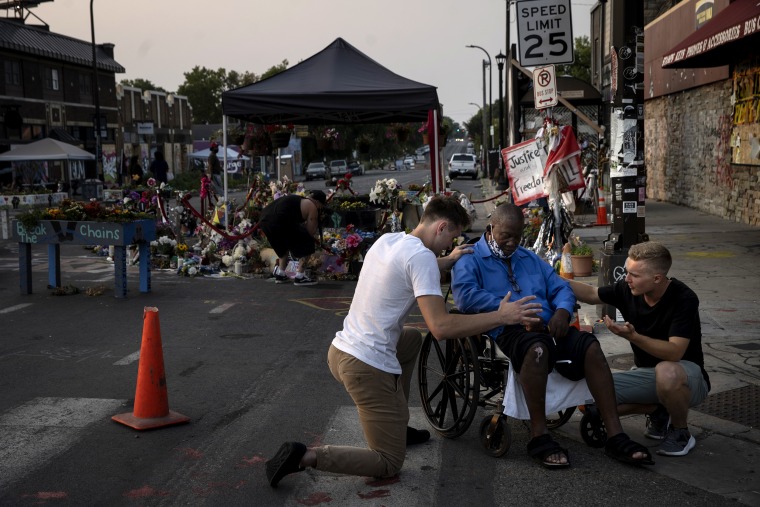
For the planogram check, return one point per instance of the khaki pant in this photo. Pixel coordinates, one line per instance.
(381, 399)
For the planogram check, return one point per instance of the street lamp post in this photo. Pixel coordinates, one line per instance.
(95, 94)
(486, 121)
(500, 60)
(483, 152)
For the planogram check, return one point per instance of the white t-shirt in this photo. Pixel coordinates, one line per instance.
(398, 268)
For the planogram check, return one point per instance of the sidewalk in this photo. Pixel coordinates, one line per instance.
(719, 261)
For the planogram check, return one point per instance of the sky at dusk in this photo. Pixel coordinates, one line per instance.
(423, 40)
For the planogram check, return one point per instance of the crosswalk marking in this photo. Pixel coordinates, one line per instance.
(131, 358)
(222, 308)
(416, 484)
(14, 308)
(41, 429)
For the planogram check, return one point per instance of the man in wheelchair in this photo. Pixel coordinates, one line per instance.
(374, 355)
(499, 267)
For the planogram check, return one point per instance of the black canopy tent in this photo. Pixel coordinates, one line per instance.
(340, 84)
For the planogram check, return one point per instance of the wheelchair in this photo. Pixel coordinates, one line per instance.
(458, 376)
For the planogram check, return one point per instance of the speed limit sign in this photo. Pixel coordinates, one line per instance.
(544, 32)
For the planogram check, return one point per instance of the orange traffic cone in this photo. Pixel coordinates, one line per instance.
(151, 400)
(601, 209)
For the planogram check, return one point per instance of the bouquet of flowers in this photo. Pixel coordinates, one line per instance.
(344, 243)
(534, 218)
(344, 184)
(164, 245)
(385, 192)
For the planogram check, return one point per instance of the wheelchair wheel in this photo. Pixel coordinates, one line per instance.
(593, 431)
(449, 377)
(495, 435)
(555, 421)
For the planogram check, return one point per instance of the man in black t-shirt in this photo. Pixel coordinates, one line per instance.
(661, 321)
(290, 224)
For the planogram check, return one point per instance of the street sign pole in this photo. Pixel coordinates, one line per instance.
(626, 158)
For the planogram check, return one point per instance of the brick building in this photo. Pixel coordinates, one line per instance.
(702, 114)
(47, 91)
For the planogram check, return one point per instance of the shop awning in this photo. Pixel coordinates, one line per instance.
(711, 44)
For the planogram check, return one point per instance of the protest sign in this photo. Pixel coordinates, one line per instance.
(525, 170)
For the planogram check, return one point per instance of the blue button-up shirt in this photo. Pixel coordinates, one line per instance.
(479, 281)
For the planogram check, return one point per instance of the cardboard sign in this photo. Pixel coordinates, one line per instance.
(525, 170)
(565, 158)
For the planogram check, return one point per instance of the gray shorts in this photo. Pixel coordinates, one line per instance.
(637, 386)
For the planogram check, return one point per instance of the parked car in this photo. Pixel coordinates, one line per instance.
(356, 168)
(463, 164)
(409, 162)
(338, 168)
(316, 171)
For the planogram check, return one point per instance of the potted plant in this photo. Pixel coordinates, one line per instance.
(280, 136)
(364, 143)
(581, 257)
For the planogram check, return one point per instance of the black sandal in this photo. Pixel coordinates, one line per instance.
(544, 446)
(622, 448)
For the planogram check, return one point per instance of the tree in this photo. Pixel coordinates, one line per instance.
(581, 67)
(203, 88)
(143, 84)
(274, 69)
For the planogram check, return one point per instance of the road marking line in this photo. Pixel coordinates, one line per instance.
(25, 446)
(222, 308)
(131, 358)
(100, 270)
(15, 307)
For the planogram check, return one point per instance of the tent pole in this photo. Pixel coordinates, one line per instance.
(434, 155)
(224, 167)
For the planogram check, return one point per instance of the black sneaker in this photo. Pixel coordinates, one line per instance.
(286, 461)
(280, 278)
(414, 437)
(657, 423)
(677, 442)
(304, 281)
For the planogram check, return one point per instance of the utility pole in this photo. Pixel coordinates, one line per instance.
(627, 170)
(508, 139)
(96, 97)
(486, 144)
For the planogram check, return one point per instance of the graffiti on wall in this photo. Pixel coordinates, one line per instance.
(724, 173)
(110, 165)
(745, 136)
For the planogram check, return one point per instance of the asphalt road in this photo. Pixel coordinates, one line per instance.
(245, 361)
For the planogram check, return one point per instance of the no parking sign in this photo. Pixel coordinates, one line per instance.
(544, 87)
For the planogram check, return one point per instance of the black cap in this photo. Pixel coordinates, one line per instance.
(318, 195)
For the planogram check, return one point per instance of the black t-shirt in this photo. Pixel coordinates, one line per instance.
(676, 314)
(283, 212)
